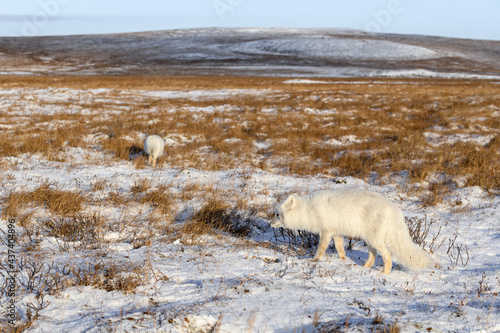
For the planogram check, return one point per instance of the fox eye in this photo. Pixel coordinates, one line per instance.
(277, 214)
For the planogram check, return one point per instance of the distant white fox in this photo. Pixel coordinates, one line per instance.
(353, 213)
(153, 146)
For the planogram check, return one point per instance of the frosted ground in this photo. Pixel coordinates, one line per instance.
(260, 282)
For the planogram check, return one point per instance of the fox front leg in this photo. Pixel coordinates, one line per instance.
(339, 246)
(324, 241)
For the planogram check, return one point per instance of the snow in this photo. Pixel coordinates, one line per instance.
(340, 48)
(277, 290)
(305, 81)
(42, 100)
(437, 139)
(259, 283)
(263, 145)
(201, 94)
(423, 73)
(344, 141)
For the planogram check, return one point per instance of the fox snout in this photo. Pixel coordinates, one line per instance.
(276, 223)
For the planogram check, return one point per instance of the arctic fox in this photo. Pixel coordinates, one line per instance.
(153, 146)
(353, 213)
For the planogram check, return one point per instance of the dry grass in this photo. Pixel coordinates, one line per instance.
(85, 231)
(141, 186)
(99, 185)
(216, 216)
(48, 140)
(159, 198)
(121, 148)
(382, 127)
(107, 276)
(59, 202)
(117, 198)
(42, 277)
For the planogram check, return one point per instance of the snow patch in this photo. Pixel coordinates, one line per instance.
(340, 48)
(305, 81)
(436, 139)
(424, 73)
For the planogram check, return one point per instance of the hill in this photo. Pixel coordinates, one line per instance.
(261, 52)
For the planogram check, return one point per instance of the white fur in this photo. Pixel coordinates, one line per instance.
(153, 146)
(353, 213)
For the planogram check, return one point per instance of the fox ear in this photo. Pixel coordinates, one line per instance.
(290, 202)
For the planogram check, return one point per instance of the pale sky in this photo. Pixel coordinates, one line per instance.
(458, 18)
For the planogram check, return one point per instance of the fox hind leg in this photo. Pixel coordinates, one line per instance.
(384, 253)
(387, 263)
(372, 254)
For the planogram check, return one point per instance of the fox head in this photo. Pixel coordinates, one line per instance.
(283, 211)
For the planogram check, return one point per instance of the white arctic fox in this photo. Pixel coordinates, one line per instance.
(353, 213)
(153, 146)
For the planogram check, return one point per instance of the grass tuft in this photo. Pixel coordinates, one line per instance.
(159, 198)
(216, 216)
(107, 276)
(60, 202)
(87, 231)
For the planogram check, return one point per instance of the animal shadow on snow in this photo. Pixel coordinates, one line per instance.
(135, 152)
(305, 244)
(357, 323)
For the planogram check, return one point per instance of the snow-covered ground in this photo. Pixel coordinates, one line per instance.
(189, 285)
(258, 283)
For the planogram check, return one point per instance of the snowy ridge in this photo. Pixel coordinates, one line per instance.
(265, 52)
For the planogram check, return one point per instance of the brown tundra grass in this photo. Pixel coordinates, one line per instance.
(159, 198)
(215, 216)
(288, 128)
(59, 202)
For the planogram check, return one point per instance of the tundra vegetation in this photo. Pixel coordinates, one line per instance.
(90, 213)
